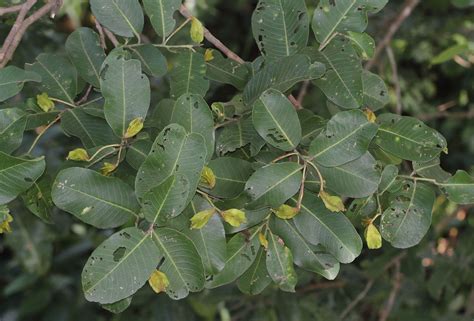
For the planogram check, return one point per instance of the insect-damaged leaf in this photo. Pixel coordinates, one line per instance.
(276, 120)
(280, 27)
(119, 266)
(408, 217)
(182, 263)
(174, 151)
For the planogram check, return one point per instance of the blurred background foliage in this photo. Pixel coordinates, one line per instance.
(429, 68)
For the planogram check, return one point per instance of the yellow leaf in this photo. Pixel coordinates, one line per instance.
(371, 117)
(199, 220)
(108, 168)
(197, 30)
(234, 217)
(5, 220)
(263, 240)
(208, 179)
(78, 154)
(373, 237)
(332, 203)
(286, 212)
(158, 281)
(218, 109)
(134, 127)
(44, 102)
(208, 55)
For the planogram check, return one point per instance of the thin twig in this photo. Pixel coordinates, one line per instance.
(224, 49)
(86, 95)
(303, 91)
(358, 299)
(301, 193)
(101, 34)
(11, 9)
(20, 27)
(43, 131)
(111, 37)
(406, 11)
(396, 80)
(385, 312)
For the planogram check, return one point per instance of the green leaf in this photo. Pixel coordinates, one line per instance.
(182, 263)
(410, 139)
(356, 179)
(311, 126)
(137, 152)
(17, 175)
(276, 120)
(59, 76)
(305, 255)
(12, 126)
(166, 200)
(363, 44)
(122, 17)
(376, 94)
(280, 27)
(388, 178)
(241, 253)
(282, 75)
(408, 217)
(103, 202)
(256, 278)
(342, 82)
(174, 151)
(12, 80)
(280, 264)
(92, 131)
(188, 75)
(193, 113)
(38, 199)
(460, 188)
(119, 306)
(342, 16)
(346, 137)
(332, 230)
(273, 185)
(237, 135)
(126, 91)
(431, 169)
(119, 266)
(83, 47)
(153, 61)
(231, 175)
(161, 13)
(210, 240)
(449, 54)
(227, 71)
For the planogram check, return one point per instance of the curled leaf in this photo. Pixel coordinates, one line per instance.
(234, 217)
(134, 127)
(199, 220)
(263, 240)
(107, 168)
(5, 220)
(158, 281)
(373, 237)
(208, 179)
(44, 102)
(286, 212)
(371, 117)
(218, 110)
(197, 30)
(208, 55)
(332, 203)
(78, 154)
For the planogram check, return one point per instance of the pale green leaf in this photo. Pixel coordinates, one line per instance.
(122, 17)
